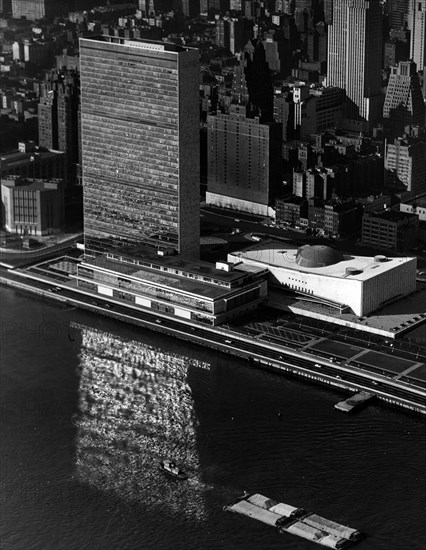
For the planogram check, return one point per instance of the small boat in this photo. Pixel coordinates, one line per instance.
(170, 468)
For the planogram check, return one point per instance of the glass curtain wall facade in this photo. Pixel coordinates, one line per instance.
(140, 144)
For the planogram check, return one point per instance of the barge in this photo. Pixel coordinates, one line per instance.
(355, 402)
(289, 519)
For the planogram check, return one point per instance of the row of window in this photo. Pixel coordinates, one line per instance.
(145, 289)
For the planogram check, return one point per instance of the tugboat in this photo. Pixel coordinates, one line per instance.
(169, 467)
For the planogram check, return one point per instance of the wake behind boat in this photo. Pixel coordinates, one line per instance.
(170, 468)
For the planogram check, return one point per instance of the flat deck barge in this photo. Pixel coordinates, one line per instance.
(355, 402)
(297, 521)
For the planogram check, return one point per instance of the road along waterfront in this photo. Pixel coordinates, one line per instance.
(306, 363)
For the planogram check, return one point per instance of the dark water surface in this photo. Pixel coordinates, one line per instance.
(88, 412)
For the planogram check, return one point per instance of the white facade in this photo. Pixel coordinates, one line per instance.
(224, 201)
(418, 208)
(362, 283)
(417, 26)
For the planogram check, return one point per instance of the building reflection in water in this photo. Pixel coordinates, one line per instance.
(136, 408)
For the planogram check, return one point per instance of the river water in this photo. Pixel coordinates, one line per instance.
(90, 405)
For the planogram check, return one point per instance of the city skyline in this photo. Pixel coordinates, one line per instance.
(212, 255)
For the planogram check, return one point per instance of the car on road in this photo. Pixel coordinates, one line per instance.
(228, 341)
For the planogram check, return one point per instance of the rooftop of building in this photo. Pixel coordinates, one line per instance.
(391, 215)
(156, 271)
(419, 200)
(319, 260)
(407, 141)
(340, 206)
(371, 198)
(293, 199)
(145, 255)
(141, 43)
(33, 184)
(17, 157)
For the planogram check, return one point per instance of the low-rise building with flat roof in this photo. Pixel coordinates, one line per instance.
(193, 290)
(321, 274)
(32, 206)
(390, 229)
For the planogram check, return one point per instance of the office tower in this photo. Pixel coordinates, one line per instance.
(220, 6)
(284, 115)
(259, 83)
(397, 47)
(147, 7)
(190, 8)
(243, 151)
(328, 11)
(37, 9)
(417, 25)
(277, 53)
(140, 144)
(48, 119)
(222, 33)
(397, 13)
(395, 51)
(5, 7)
(240, 31)
(405, 165)
(404, 104)
(284, 6)
(58, 117)
(233, 34)
(355, 59)
(243, 161)
(239, 89)
(235, 5)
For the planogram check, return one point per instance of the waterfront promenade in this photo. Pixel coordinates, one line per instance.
(398, 379)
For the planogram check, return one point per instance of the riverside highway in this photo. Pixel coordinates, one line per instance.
(349, 372)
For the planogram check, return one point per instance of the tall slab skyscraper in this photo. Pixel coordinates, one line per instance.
(355, 59)
(140, 144)
(417, 26)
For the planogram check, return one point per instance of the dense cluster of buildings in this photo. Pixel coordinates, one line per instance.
(309, 113)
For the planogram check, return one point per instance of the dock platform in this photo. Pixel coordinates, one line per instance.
(355, 402)
(289, 519)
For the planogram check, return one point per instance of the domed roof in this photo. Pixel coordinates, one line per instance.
(317, 256)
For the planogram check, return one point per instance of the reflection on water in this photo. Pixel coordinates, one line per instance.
(135, 409)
